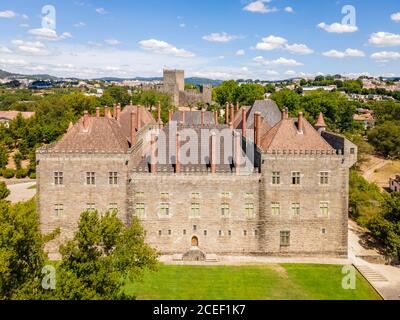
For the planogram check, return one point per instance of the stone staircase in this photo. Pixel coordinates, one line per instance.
(371, 275)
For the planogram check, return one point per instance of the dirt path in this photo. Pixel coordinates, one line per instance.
(21, 192)
(373, 167)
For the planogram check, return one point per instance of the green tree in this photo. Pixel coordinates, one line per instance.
(18, 159)
(287, 99)
(3, 157)
(4, 192)
(226, 92)
(386, 139)
(247, 94)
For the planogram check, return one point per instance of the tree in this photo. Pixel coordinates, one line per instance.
(3, 157)
(386, 139)
(18, 159)
(4, 192)
(226, 92)
(386, 226)
(247, 94)
(102, 257)
(287, 99)
(119, 94)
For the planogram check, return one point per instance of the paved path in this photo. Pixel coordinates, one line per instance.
(21, 192)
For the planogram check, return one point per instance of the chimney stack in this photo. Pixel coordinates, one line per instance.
(300, 122)
(133, 128)
(232, 113)
(97, 112)
(227, 113)
(170, 115)
(216, 117)
(231, 125)
(285, 114)
(238, 152)
(153, 163)
(244, 122)
(257, 131)
(85, 120)
(138, 117)
(177, 157)
(203, 112)
(159, 112)
(213, 154)
(107, 112)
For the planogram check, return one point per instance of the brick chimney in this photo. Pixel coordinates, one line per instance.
(203, 112)
(300, 123)
(213, 155)
(153, 163)
(170, 115)
(238, 151)
(138, 117)
(232, 116)
(216, 117)
(227, 113)
(177, 150)
(107, 112)
(97, 112)
(244, 122)
(257, 125)
(159, 112)
(285, 114)
(133, 128)
(231, 125)
(118, 112)
(85, 120)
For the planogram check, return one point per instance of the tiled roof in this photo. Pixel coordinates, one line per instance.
(103, 135)
(11, 115)
(125, 119)
(286, 136)
(193, 118)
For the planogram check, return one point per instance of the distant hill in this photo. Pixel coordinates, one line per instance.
(195, 81)
(5, 74)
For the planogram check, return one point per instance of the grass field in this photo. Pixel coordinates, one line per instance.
(267, 282)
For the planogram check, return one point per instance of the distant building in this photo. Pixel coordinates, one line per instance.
(174, 84)
(314, 88)
(394, 184)
(366, 117)
(7, 116)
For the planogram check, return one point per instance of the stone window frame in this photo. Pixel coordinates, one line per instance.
(139, 194)
(225, 207)
(276, 178)
(90, 178)
(58, 209)
(245, 233)
(276, 208)
(159, 233)
(249, 195)
(324, 209)
(195, 196)
(229, 233)
(140, 206)
(170, 232)
(164, 196)
(296, 178)
(250, 210)
(195, 210)
(226, 195)
(113, 207)
(205, 233)
(323, 231)
(220, 233)
(256, 233)
(295, 209)
(58, 178)
(284, 238)
(164, 210)
(184, 232)
(113, 178)
(324, 178)
(90, 207)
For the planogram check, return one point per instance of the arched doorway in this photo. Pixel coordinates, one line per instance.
(195, 241)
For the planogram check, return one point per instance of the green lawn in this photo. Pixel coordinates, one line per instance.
(267, 282)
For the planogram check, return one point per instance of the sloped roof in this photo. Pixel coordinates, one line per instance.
(103, 134)
(285, 136)
(125, 119)
(193, 118)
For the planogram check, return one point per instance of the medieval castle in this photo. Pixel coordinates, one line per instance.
(188, 184)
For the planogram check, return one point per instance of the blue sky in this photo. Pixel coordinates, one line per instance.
(224, 39)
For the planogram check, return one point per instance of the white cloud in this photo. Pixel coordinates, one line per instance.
(30, 47)
(343, 54)
(101, 11)
(13, 62)
(289, 9)
(219, 37)
(5, 50)
(272, 73)
(240, 52)
(384, 39)
(290, 73)
(386, 55)
(112, 42)
(277, 62)
(24, 25)
(49, 34)
(79, 24)
(162, 47)
(337, 27)
(273, 42)
(7, 14)
(182, 25)
(25, 17)
(260, 6)
(395, 17)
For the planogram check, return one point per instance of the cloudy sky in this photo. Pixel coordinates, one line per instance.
(224, 39)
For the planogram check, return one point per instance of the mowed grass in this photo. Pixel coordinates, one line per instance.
(266, 282)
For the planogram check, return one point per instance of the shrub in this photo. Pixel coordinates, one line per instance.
(18, 159)
(8, 173)
(32, 175)
(21, 173)
(4, 192)
(3, 157)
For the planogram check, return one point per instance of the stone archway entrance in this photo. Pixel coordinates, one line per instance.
(195, 241)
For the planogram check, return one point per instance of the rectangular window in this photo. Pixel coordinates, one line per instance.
(249, 210)
(113, 207)
(184, 232)
(195, 196)
(285, 238)
(296, 178)
(225, 194)
(256, 233)
(249, 195)
(225, 210)
(164, 196)
(324, 208)
(195, 210)
(324, 178)
(58, 178)
(140, 210)
(220, 233)
(205, 232)
(245, 233)
(169, 232)
(194, 228)
(113, 178)
(90, 178)
(229, 232)
(296, 209)
(58, 209)
(90, 207)
(159, 232)
(276, 178)
(276, 208)
(164, 209)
